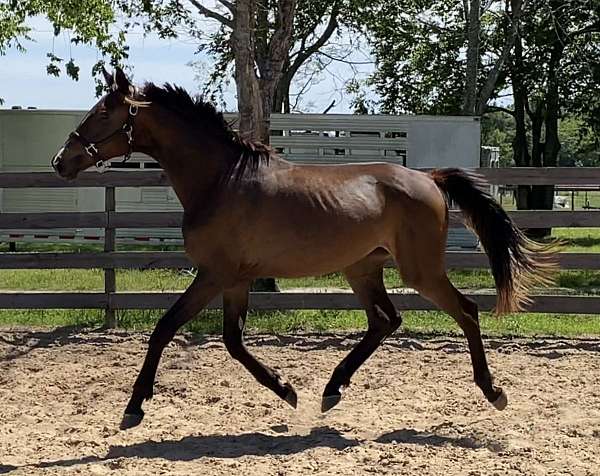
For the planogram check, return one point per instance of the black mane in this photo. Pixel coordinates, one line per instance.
(198, 112)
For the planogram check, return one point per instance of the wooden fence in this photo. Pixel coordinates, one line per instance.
(111, 300)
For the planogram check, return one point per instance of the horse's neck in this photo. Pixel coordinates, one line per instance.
(192, 165)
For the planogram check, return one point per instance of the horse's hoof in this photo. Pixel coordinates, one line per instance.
(131, 420)
(291, 397)
(501, 402)
(330, 401)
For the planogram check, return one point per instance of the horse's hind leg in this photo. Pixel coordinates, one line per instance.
(235, 306)
(441, 292)
(366, 280)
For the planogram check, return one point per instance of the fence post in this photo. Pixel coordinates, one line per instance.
(110, 286)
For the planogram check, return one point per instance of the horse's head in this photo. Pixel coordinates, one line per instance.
(105, 132)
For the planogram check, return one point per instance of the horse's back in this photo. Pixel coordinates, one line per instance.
(377, 181)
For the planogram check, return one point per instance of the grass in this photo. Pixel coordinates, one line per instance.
(281, 322)
(583, 240)
(586, 282)
(527, 324)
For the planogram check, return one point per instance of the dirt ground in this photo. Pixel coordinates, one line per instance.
(412, 409)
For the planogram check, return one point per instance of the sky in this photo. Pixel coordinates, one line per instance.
(24, 82)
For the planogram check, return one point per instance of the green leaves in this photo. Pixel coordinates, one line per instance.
(53, 68)
(72, 70)
(85, 21)
(417, 47)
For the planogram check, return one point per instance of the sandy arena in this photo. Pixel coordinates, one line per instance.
(412, 409)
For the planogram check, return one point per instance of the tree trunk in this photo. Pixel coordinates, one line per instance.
(251, 124)
(256, 95)
(473, 29)
(552, 145)
(521, 155)
(543, 195)
(271, 69)
(282, 95)
(544, 131)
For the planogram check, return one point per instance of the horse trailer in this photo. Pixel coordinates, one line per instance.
(30, 137)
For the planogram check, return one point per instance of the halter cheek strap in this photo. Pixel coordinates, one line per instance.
(91, 148)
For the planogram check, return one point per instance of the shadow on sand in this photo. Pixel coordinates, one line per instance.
(257, 444)
(22, 342)
(427, 438)
(215, 446)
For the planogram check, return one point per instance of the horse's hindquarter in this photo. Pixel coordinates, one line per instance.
(310, 220)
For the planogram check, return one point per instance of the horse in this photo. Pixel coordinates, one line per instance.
(248, 213)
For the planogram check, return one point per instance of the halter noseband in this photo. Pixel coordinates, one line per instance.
(91, 147)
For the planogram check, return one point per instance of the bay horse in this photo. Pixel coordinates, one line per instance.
(248, 214)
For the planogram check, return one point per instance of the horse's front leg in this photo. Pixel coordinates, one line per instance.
(235, 306)
(202, 290)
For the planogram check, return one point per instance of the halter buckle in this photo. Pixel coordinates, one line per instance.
(91, 150)
(101, 166)
(133, 110)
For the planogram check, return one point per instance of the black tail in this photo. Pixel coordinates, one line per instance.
(517, 262)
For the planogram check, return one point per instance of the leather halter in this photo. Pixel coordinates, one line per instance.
(91, 148)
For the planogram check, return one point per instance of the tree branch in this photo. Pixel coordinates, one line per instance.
(230, 6)
(306, 52)
(328, 108)
(302, 90)
(280, 41)
(344, 60)
(494, 73)
(212, 14)
(490, 109)
(593, 28)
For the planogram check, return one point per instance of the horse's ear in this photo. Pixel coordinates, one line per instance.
(108, 77)
(121, 82)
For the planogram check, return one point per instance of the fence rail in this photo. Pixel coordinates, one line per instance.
(112, 219)
(178, 259)
(157, 178)
(111, 300)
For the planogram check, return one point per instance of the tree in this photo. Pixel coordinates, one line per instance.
(498, 130)
(267, 42)
(554, 71)
(418, 47)
(580, 143)
(544, 53)
(87, 20)
(475, 102)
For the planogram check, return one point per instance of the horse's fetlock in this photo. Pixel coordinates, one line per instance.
(483, 381)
